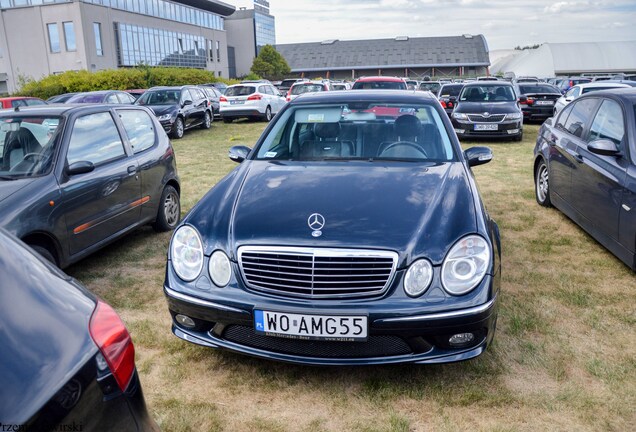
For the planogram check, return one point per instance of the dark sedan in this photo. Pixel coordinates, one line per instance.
(101, 97)
(68, 362)
(75, 178)
(448, 95)
(585, 165)
(537, 100)
(178, 108)
(343, 237)
(488, 109)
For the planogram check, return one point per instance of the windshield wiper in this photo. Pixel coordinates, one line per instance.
(2, 177)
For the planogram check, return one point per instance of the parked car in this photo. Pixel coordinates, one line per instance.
(446, 92)
(74, 178)
(581, 89)
(525, 79)
(220, 86)
(286, 84)
(62, 98)
(379, 83)
(342, 239)
(102, 97)
(136, 93)
(537, 100)
(214, 98)
(567, 83)
(178, 108)
(20, 101)
(411, 84)
(487, 78)
(68, 360)
(432, 86)
(253, 101)
(303, 87)
(487, 109)
(585, 165)
(341, 86)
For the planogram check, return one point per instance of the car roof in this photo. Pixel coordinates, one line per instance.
(345, 96)
(625, 93)
(12, 98)
(602, 84)
(487, 83)
(58, 109)
(380, 78)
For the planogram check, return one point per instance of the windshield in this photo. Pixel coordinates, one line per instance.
(160, 97)
(87, 98)
(358, 131)
(593, 89)
(450, 90)
(299, 89)
(487, 93)
(430, 86)
(27, 145)
(538, 89)
(240, 90)
(379, 85)
(288, 83)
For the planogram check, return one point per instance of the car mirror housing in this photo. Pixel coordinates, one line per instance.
(187, 102)
(239, 153)
(80, 167)
(604, 147)
(478, 156)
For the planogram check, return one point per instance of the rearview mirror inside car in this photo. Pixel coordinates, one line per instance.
(604, 147)
(478, 155)
(239, 153)
(80, 167)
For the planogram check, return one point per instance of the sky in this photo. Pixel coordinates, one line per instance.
(505, 23)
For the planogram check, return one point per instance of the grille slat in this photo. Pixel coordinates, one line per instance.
(493, 118)
(317, 273)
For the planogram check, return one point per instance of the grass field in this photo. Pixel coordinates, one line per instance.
(563, 359)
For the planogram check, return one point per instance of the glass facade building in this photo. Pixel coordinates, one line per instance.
(264, 30)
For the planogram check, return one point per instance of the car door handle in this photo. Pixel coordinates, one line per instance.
(132, 169)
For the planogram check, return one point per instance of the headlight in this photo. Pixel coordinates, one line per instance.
(418, 278)
(186, 251)
(465, 265)
(220, 268)
(460, 116)
(514, 116)
(165, 117)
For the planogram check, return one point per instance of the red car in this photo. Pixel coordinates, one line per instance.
(379, 83)
(12, 102)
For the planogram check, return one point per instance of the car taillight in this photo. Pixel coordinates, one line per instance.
(443, 104)
(530, 101)
(449, 104)
(288, 99)
(571, 83)
(255, 97)
(113, 340)
(222, 99)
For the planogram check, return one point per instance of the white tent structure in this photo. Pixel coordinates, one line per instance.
(552, 59)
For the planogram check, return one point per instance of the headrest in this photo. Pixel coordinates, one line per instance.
(327, 130)
(407, 126)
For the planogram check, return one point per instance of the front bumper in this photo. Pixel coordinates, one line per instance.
(413, 335)
(167, 124)
(506, 129)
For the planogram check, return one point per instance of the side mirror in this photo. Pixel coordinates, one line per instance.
(523, 99)
(239, 153)
(187, 102)
(604, 147)
(80, 167)
(478, 156)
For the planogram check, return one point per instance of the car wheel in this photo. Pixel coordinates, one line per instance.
(169, 212)
(227, 120)
(44, 253)
(177, 128)
(268, 114)
(542, 185)
(207, 121)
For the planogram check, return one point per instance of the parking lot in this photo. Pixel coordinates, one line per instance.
(563, 357)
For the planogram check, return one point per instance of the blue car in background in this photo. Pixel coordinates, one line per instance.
(352, 233)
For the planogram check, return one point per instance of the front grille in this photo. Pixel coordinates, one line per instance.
(493, 118)
(317, 273)
(375, 346)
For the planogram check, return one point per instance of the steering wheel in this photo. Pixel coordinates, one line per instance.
(37, 157)
(410, 144)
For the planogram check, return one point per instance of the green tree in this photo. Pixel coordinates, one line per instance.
(270, 64)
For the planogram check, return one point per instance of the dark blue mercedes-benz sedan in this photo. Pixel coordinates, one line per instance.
(352, 233)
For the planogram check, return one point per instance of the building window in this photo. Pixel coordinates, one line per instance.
(69, 36)
(218, 51)
(54, 38)
(97, 29)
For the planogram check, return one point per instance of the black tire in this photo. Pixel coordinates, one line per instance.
(542, 184)
(207, 121)
(227, 120)
(169, 211)
(45, 253)
(178, 128)
(268, 114)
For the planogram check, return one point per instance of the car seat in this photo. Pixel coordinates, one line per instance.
(406, 128)
(500, 94)
(18, 144)
(327, 143)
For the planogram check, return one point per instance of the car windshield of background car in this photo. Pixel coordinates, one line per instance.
(537, 89)
(27, 145)
(380, 85)
(306, 88)
(358, 131)
(160, 97)
(432, 87)
(240, 91)
(450, 90)
(487, 93)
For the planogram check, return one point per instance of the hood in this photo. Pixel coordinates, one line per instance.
(490, 107)
(407, 208)
(163, 109)
(9, 187)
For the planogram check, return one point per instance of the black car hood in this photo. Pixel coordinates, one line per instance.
(160, 110)
(412, 209)
(9, 187)
(489, 107)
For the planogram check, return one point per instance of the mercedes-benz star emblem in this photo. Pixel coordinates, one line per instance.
(316, 222)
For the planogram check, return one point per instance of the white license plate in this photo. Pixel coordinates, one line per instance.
(311, 327)
(236, 102)
(486, 127)
(544, 102)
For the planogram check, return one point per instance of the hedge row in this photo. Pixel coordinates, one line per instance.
(114, 79)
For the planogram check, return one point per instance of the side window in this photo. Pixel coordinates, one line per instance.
(580, 116)
(86, 145)
(185, 95)
(31, 102)
(608, 123)
(18, 103)
(262, 89)
(139, 128)
(125, 98)
(112, 98)
(563, 116)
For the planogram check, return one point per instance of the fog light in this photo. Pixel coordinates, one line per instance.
(185, 321)
(459, 131)
(461, 339)
(513, 131)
